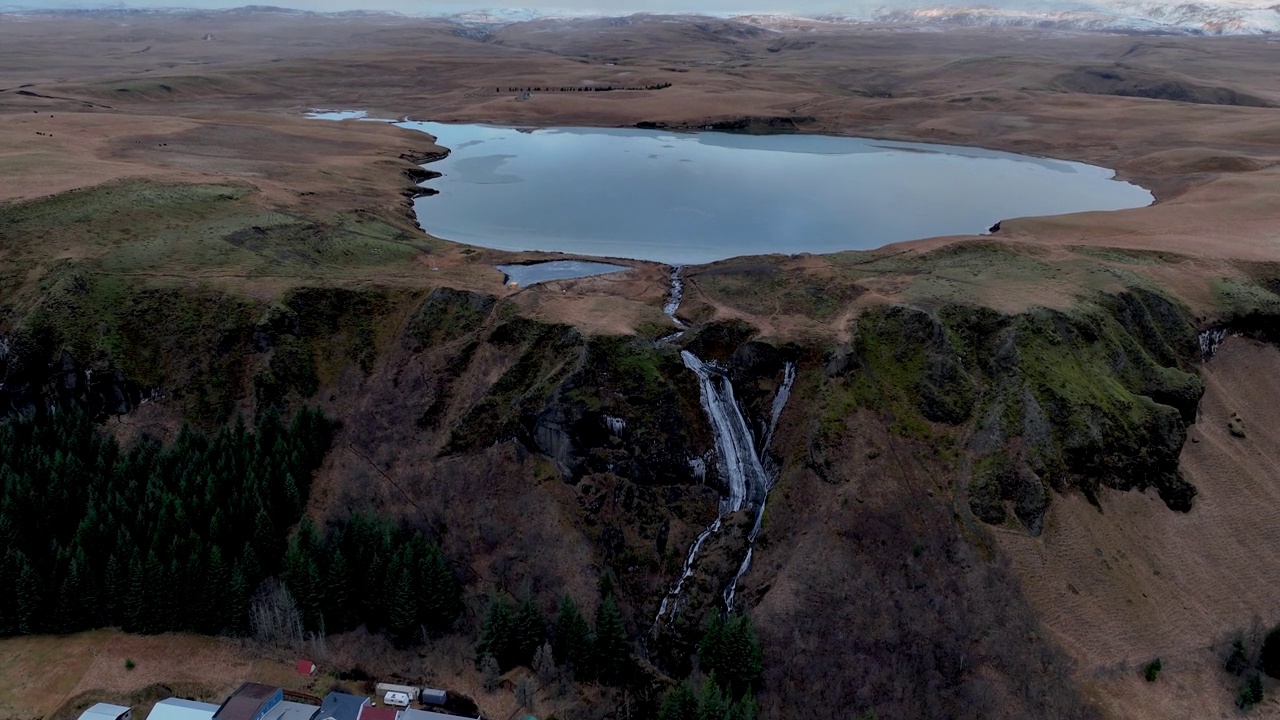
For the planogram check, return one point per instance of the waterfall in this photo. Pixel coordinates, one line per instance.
(686, 572)
(780, 401)
(745, 478)
(615, 424)
(1210, 341)
(747, 482)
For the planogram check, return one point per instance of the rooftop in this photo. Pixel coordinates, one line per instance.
(104, 711)
(378, 713)
(290, 711)
(248, 702)
(179, 709)
(341, 706)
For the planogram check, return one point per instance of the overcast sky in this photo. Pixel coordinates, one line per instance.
(593, 6)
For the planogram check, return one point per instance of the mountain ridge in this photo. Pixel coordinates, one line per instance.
(1251, 17)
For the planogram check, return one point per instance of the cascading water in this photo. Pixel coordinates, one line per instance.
(1210, 341)
(747, 482)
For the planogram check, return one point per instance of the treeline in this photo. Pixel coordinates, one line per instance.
(370, 572)
(585, 88)
(153, 539)
(514, 635)
(730, 659)
(191, 537)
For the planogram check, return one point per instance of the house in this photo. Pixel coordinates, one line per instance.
(179, 709)
(287, 710)
(369, 712)
(341, 706)
(251, 702)
(431, 696)
(306, 667)
(106, 711)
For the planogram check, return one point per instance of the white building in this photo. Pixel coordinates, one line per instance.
(106, 711)
(179, 709)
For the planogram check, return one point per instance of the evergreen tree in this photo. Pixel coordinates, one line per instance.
(497, 636)
(530, 630)
(679, 704)
(402, 616)
(337, 592)
(612, 650)
(441, 597)
(114, 586)
(28, 596)
(1269, 657)
(217, 589)
(572, 641)
(302, 574)
(731, 651)
(136, 604)
(711, 702)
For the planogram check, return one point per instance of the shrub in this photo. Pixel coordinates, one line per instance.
(129, 664)
(1238, 660)
(1269, 658)
(1151, 670)
(1250, 693)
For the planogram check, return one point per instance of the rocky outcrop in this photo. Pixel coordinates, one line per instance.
(29, 384)
(1099, 396)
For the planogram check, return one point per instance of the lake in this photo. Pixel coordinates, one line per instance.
(687, 198)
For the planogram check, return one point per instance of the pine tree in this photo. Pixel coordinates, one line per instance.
(439, 592)
(337, 592)
(213, 605)
(611, 647)
(136, 604)
(237, 611)
(679, 704)
(497, 637)
(529, 630)
(28, 596)
(572, 642)
(402, 616)
(731, 652)
(114, 586)
(711, 702)
(302, 574)
(1269, 657)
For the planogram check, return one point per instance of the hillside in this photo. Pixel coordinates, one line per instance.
(1012, 468)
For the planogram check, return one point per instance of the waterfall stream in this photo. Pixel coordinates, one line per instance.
(741, 464)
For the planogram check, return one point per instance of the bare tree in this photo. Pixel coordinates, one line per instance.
(489, 673)
(274, 615)
(525, 691)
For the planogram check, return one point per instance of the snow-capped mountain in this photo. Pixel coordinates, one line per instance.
(1239, 17)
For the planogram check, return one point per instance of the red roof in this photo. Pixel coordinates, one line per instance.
(377, 713)
(306, 667)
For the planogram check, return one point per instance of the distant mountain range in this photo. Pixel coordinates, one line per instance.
(1188, 18)
(1209, 17)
